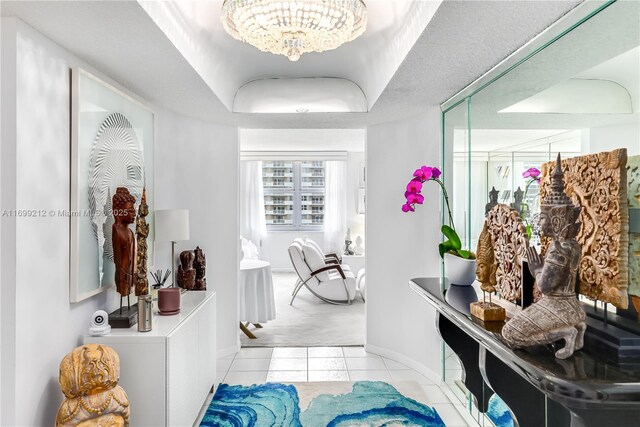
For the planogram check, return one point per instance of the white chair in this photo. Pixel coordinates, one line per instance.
(329, 282)
(329, 257)
(361, 283)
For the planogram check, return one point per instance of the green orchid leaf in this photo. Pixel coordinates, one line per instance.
(464, 253)
(452, 237)
(444, 247)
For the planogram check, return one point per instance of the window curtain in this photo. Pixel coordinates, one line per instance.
(253, 225)
(335, 205)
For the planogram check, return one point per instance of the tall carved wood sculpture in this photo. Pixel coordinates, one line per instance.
(509, 237)
(142, 232)
(124, 242)
(633, 197)
(89, 378)
(486, 261)
(598, 184)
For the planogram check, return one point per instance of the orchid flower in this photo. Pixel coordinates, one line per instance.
(533, 173)
(414, 197)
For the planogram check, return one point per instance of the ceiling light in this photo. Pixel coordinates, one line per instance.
(292, 28)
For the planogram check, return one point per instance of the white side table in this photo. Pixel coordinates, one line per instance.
(169, 371)
(356, 262)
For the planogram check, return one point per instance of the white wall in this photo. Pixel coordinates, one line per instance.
(196, 165)
(197, 169)
(608, 138)
(39, 324)
(400, 245)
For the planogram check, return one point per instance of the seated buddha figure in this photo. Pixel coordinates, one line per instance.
(558, 315)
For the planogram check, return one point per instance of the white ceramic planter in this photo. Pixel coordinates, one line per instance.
(460, 271)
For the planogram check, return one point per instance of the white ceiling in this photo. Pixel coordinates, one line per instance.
(369, 61)
(181, 73)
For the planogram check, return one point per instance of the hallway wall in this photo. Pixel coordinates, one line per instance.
(401, 245)
(38, 323)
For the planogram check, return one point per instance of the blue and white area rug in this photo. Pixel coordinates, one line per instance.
(499, 413)
(320, 404)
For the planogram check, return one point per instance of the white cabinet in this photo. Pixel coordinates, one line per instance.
(356, 262)
(169, 371)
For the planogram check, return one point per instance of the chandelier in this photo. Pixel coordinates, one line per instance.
(294, 27)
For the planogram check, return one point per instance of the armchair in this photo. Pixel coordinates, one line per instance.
(329, 282)
(329, 257)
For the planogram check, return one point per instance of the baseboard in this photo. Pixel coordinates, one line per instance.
(399, 357)
(227, 351)
(283, 270)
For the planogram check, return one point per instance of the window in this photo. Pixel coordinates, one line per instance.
(293, 194)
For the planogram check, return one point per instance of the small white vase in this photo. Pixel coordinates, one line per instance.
(459, 271)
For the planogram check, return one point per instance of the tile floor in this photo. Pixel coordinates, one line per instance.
(301, 364)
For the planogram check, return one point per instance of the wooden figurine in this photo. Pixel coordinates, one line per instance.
(124, 242)
(558, 315)
(186, 273)
(200, 264)
(89, 378)
(486, 275)
(142, 232)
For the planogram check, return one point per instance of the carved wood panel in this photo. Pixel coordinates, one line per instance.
(598, 183)
(510, 243)
(633, 198)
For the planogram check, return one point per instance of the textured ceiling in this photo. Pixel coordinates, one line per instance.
(461, 42)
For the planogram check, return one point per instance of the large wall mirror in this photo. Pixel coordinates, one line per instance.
(577, 93)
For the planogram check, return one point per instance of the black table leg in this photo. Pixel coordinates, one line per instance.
(467, 349)
(529, 406)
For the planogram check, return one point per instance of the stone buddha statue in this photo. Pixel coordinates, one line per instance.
(558, 315)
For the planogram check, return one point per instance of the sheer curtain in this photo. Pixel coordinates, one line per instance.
(253, 224)
(335, 205)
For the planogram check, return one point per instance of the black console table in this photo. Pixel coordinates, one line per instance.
(540, 390)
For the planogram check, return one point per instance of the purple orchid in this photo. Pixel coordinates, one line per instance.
(533, 173)
(414, 186)
(424, 173)
(414, 197)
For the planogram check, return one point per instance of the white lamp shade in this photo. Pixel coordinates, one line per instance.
(172, 225)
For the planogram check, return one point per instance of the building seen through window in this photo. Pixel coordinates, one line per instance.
(294, 194)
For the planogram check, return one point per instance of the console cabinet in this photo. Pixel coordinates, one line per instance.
(168, 371)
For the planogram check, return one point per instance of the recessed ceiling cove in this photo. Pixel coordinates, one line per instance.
(227, 64)
(305, 95)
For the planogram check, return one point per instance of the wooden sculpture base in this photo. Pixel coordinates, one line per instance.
(488, 311)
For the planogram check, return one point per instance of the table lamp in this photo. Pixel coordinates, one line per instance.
(172, 225)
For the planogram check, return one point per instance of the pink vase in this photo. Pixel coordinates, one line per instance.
(169, 301)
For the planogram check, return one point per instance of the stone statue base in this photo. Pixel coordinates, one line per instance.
(125, 319)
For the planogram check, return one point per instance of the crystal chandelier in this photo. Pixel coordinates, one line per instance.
(294, 27)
